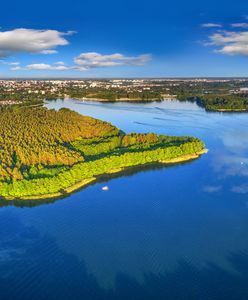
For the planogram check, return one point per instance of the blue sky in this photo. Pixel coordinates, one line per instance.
(123, 38)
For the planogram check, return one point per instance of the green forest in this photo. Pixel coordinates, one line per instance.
(47, 153)
(217, 102)
(226, 102)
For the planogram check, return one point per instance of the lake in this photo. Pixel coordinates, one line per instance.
(177, 232)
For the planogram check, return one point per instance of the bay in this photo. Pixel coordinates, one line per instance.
(177, 232)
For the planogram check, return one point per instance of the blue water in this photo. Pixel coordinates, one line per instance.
(176, 232)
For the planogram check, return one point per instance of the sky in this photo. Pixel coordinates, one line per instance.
(131, 38)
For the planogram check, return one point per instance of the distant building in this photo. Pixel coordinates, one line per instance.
(243, 90)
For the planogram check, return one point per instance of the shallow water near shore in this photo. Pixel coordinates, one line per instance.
(177, 232)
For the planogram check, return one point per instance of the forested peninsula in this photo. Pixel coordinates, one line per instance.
(221, 103)
(48, 154)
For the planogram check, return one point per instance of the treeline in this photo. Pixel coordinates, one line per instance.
(115, 94)
(215, 102)
(88, 170)
(22, 98)
(226, 102)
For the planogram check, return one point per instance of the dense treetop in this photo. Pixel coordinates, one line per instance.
(46, 152)
(41, 136)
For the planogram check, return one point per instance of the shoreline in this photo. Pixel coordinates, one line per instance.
(229, 110)
(83, 183)
(138, 100)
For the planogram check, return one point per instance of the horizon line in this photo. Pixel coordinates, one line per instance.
(124, 78)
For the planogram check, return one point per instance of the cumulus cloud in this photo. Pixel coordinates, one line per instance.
(211, 25)
(31, 41)
(230, 42)
(42, 67)
(92, 60)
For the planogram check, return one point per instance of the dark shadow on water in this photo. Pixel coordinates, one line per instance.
(130, 171)
(33, 267)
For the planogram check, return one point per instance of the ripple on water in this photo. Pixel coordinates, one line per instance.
(157, 230)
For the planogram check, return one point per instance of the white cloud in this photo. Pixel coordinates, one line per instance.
(49, 52)
(240, 189)
(239, 25)
(59, 63)
(41, 67)
(58, 66)
(212, 188)
(31, 41)
(46, 67)
(38, 67)
(15, 68)
(211, 25)
(14, 63)
(92, 60)
(230, 42)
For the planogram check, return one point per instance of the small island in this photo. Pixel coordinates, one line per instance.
(49, 154)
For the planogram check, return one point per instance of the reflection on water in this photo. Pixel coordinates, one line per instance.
(32, 261)
(164, 233)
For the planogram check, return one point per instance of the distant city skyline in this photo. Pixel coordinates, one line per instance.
(123, 39)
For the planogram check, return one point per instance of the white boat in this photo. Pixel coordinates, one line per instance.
(105, 188)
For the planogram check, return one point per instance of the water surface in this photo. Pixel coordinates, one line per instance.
(176, 232)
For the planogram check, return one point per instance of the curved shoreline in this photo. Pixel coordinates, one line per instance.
(83, 183)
